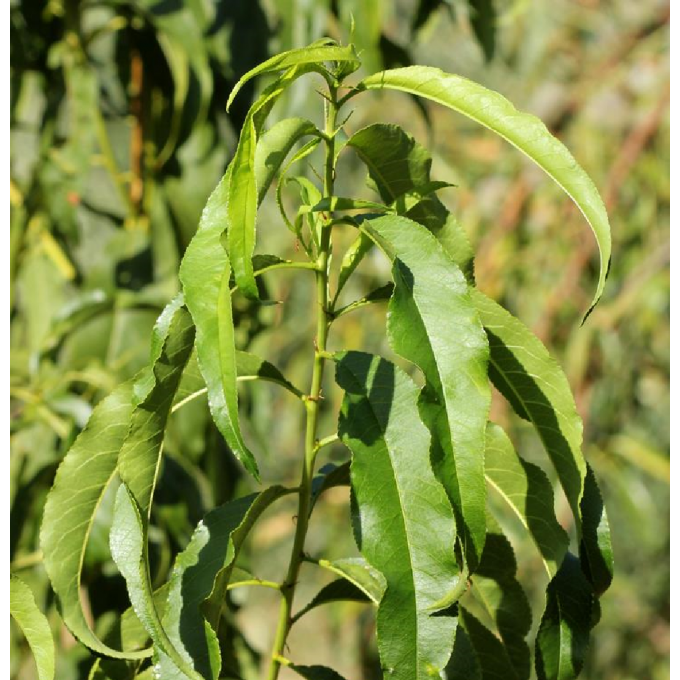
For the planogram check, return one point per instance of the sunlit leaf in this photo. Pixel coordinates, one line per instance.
(34, 625)
(404, 523)
(523, 130)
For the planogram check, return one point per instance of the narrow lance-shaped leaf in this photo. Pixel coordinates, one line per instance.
(499, 598)
(154, 391)
(243, 192)
(315, 672)
(201, 274)
(340, 590)
(199, 579)
(359, 572)
(533, 382)
(399, 170)
(523, 130)
(315, 55)
(433, 323)
(71, 506)
(129, 551)
(404, 523)
(564, 634)
(528, 492)
(34, 625)
(595, 549)
(273, 147)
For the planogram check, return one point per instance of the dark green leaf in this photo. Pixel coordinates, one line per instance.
(329, 476)
(524, 131)
(500, 597)
(463, 664)
(32, 621)
(596, 543)
(483, 22)
(563, 636)
(433, 323)
(337, 591)
(316, 672)
(399, 169)
(404, 523)
(527, 490)
(360, 573)
(533, 382)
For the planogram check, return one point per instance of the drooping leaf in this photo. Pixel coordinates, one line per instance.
(251, 367)
(359, 572)
(399, 169)
(203, 268)
(129, 551)
(404, 523)
(351, 260)
(483, 22)
(340, 590)
(316, 672)
(533, 382)
(34, 625)
(500, 597)
(433, 323)
(527, 490)
(524, 131)
(595, 549)
(197, 587)
(328, 477)
(274, 146)
(71, 506)
(491, 655)
(315, 54)
(154, 391)
(463, 664)
(563, 636)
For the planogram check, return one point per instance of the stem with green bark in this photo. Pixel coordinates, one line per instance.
(323, 317)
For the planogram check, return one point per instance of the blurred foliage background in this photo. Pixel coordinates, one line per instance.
(118, 135)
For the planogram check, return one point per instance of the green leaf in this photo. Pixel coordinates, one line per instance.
(359, 572)
(329, 476)
(71, 506)
(129, 552)
(313, 55)
(483, 22)
(500, 597)
(463, 664)
(528, 492)
(251, 367)
(153, 394)
(403, 521)
(332, 203)
(204, 266)
(564, 633)
(316, 672)
(595, 549)
(399, 169)
(523, 130)
(340, 590)
(32, 621)
(433, 323)
(274, 146)
(244, 197)
(533, 382)
(351, 260)
(199, 580)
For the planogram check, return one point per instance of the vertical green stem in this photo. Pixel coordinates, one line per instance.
(311, 404)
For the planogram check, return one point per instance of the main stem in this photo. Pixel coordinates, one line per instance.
(311, 403)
